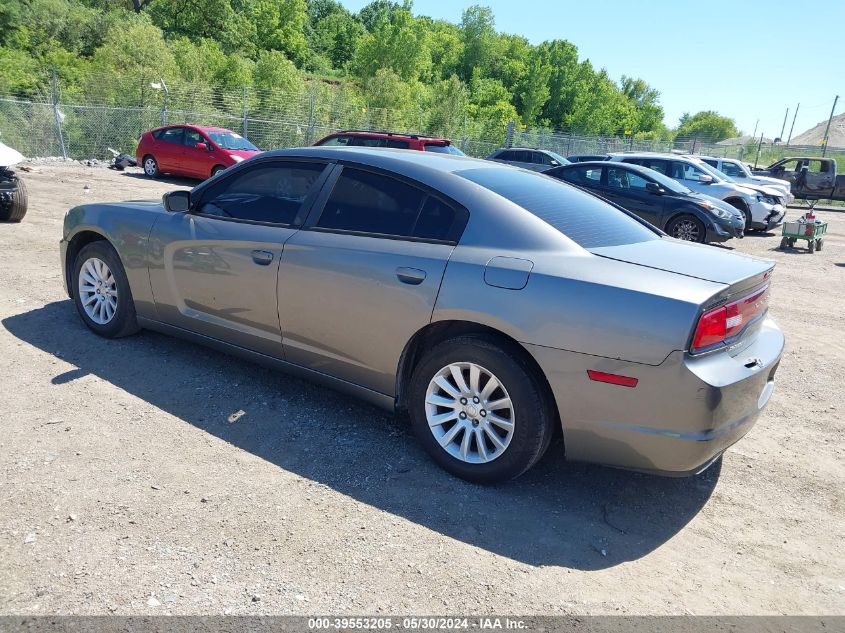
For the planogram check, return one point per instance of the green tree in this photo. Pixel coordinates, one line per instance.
(334, 34)
(399, 44)
(649, 111)
(562, 58)
(707, 125)
(280, 26)
(478, 32)
(533, 90)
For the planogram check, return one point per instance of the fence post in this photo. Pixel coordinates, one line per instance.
(509, 134)
(58, 115)
(245, 123)
(311, 121)
(464, 138)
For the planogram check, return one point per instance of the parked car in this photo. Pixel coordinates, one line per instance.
(528, 158)
(810, 177)
(491, 303)
(586, 158)
(657, 199)
(763, 208)
(739, 172)
(364, 138)
(191, 150)
(13, 198)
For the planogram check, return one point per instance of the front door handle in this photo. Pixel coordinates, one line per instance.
(262, 258)
(413, 276)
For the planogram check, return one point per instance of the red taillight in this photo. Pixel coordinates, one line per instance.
(613, 379)
(728, 321)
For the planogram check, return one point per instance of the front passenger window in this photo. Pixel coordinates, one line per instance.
(271, 193)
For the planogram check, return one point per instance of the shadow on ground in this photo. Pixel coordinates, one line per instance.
(176, 181)
(559, 513)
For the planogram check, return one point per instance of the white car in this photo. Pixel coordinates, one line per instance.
(763, 207)
(740, 173)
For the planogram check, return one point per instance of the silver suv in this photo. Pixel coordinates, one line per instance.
(527, 158)
(737, 171)
(763, 207)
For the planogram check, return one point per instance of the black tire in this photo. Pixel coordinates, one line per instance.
(689, 226)
(124, 322)
(533, 411)
(784, 243)
(819, 243)
(811, 245)
(150, 166)
(791, 242)
(216, 170)
(16, 209)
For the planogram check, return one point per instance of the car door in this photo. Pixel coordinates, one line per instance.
(168, 152)
(363, 274)
(819, 177)
(214, 270)
(196, 161)
(627, 188)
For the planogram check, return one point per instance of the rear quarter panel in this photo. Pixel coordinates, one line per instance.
(127, 227)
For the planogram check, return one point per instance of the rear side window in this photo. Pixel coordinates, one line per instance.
(443, 149)
(271, 193)
(395, 143)
(367, 202)
(583, 218)
(584, 176)
(172, 135)
(620, 178)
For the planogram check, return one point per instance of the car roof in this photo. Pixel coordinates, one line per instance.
(204, 128)
(374, 134)
(604, 163)
(522, 149)
(387, 158)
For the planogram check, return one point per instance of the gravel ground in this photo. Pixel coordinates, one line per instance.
(126, 488)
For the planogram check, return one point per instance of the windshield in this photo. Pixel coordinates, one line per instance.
(580, 216)
(230, 140)
(559, 158)
(444, 149)
(668, 183)
(717, 175)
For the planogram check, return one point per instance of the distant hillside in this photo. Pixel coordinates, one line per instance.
(815, 134)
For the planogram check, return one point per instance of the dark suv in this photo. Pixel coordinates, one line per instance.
(528, 158)
(363, 138)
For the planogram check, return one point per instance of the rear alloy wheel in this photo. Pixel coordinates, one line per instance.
(151, 167)
(101, 291)
(479, 410)
(687, 228)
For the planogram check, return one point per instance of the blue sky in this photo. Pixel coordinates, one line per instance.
(747, 60)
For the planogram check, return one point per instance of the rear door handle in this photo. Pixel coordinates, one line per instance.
(413, 276)
(262, 258)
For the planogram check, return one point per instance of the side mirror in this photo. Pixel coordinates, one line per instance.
(555, 163)
(177, 201)
(653, 187)
(201, 145)
(705, 179)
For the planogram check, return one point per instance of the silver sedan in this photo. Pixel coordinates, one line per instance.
(497, 306)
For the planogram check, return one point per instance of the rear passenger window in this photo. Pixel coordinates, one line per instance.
(366, 202)
(586, 176)
(335, 140)
(172, 135)
(396, 144)
(265, 193)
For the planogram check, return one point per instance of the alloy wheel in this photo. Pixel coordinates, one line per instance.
(97, 291)
(686, 230)
(150, 166)
(469, 412)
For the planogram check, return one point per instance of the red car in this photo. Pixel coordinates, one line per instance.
(191, 150)
(360, 138)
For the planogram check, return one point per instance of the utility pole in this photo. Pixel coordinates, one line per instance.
(754, 135)
(794, 116)
(783, 127)
(759, 147)
(827, 129)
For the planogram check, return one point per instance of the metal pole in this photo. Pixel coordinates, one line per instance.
(164, 103)
(827, 129)
(245, 124)
(794, 116)
(509, 134)
(759, 147)
(783, 127)
(754, 135)
(57, 114)
(311, 117)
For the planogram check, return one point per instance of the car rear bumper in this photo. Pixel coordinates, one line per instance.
(682, 415)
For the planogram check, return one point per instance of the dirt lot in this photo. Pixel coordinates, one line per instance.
(125, 489)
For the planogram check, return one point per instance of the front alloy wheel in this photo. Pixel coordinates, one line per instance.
(469, 413)
(686, 228)
(98, 291)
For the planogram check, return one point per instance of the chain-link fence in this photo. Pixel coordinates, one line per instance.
(100, 112)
